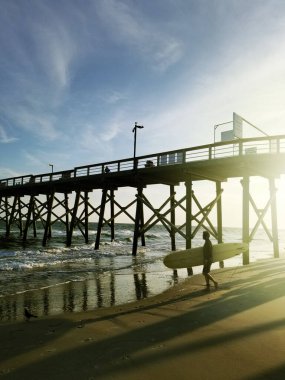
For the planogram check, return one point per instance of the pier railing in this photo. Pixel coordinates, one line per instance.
(234, 148)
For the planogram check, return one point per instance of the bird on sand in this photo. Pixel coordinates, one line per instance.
(28, 315)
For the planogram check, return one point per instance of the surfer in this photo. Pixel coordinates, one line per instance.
(208, 257)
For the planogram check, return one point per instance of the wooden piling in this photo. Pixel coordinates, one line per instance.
(112, 212)
(274, 217)
(189, 194)
(245, 217)
(172, 218)
(138, 220)
(101, 218)
(47, 230)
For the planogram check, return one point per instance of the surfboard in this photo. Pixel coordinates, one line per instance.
(194, 256)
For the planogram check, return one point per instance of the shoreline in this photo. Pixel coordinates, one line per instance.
(98, 291)
(236, 332)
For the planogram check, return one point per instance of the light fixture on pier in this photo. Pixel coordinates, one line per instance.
(135, 140)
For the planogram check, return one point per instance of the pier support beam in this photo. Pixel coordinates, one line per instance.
(138, 222)
(112, 213)
(66, 208)
(188, 185)
(73, 219)
(260, 213)
(29, 215)
(86, 218)
(274, 217)
(47, 232)
(245, 217)
(189, 193)
(219, 217)
(219, 213)
(172, 217)
(20, 216)
(7, 212)
(11, 217)
(101, 218)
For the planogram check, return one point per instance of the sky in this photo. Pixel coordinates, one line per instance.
(75, 76)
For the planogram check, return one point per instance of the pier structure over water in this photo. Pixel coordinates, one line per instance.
(70, 196)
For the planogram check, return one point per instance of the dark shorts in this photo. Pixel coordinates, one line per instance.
(207, 267)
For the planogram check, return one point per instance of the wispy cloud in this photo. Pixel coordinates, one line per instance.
(110, 132)
(39, 124)
(169, 53)
(33, 160)
(104, 134)
(101, 141)
(4, 138)
(35, 69)
(39, 51)
(8, 173)
(56, 50)
(42, 159)
(112, 97)
(130, 28)
(91, 148)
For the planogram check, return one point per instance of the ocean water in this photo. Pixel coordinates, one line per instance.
(55, 279)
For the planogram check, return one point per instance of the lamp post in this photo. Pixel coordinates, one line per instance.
(218, 125)
(51, 167)
(135, 141)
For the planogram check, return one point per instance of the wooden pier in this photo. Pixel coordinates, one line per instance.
(68, 196)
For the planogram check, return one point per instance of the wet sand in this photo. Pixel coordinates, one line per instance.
(235, 332)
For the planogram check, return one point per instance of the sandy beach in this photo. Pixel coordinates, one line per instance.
(235, 332)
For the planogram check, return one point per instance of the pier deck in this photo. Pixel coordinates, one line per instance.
(263, 157)
(21, 201)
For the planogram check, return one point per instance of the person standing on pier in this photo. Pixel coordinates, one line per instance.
(208, 259)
